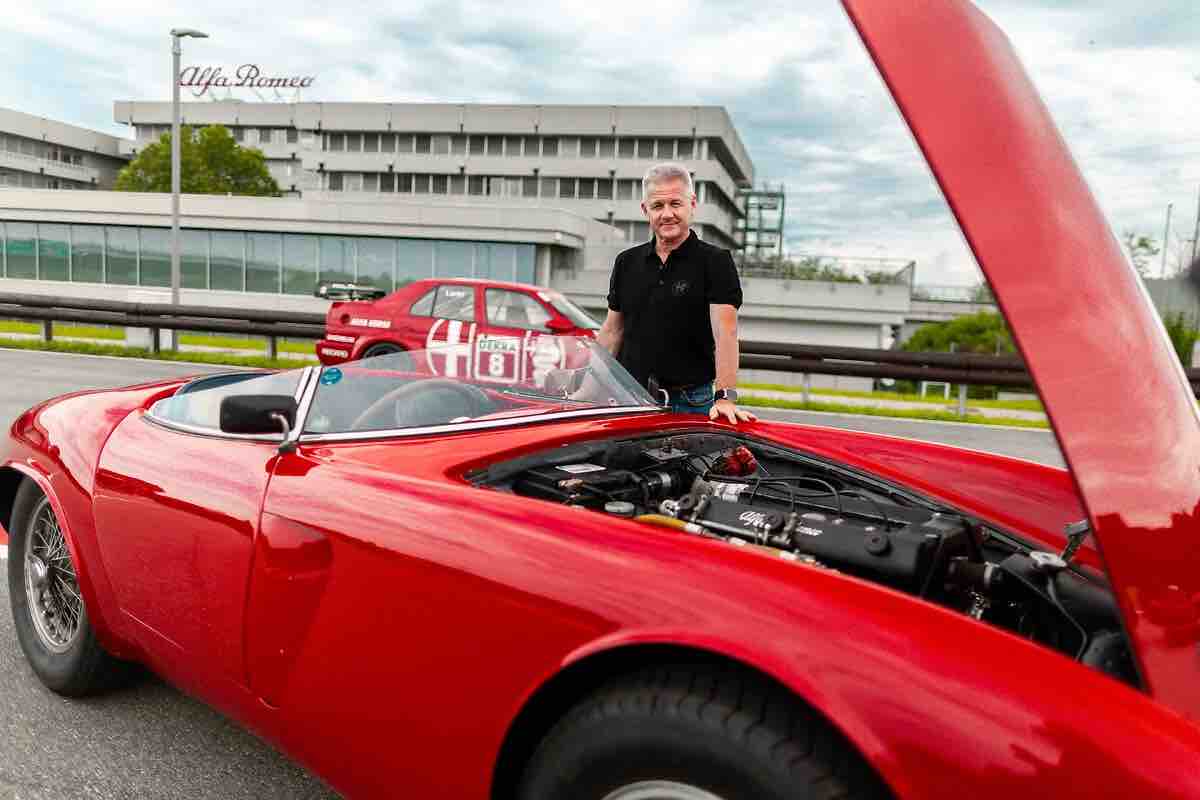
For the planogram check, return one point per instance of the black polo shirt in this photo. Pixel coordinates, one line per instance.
(667, 328)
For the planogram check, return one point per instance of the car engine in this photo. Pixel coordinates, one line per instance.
(794, 506)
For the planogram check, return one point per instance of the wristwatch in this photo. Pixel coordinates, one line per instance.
(726, 394)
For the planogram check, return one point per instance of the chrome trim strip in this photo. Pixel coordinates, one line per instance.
(304, 401)
(463, 427)
(211, 433)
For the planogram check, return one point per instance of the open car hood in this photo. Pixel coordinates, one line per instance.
(1113, 388)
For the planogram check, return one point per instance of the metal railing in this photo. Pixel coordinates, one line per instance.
(963, 369)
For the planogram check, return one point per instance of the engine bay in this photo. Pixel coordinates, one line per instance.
(750, 493)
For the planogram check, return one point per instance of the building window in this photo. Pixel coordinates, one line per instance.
(440, 184)
(604, 189)
(239, 134)
(587, 147)
(370, 142)
(587, 188)
(458, 145)
(529, 187)
(458, 184)
(353, 182)
(336, 142)
(625, 189)
(387, 182)
(532, 146)
(293, 135)
(495, 145)
(441, 145)
(626, 148)
(568, 147)
(335, 182)
(550, 146)
(512, 145)
(420, 184)
(387, 143)
(645, 148)
(353, 142)
(299, 264)
(264, 135)
(404, 143)
(666, 149)
(477, 143)
(475, 185)
(549, 187)
(566, 187)
(404, 182)
(606, 147)
(424, 143)
(370, 182)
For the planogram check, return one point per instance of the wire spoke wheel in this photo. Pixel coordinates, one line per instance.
(660, 790)
(51, 586)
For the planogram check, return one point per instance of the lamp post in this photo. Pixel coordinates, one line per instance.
(176, 52)
(1162, 272)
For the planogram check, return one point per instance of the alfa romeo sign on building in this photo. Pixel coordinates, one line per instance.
(248, 76)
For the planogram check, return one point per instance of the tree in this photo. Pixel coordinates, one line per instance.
(983, 332)
(1141, 249)
(211, 162)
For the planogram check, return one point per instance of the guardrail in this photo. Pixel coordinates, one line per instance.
(962, 369)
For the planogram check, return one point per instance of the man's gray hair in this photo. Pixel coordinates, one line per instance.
(665, 172)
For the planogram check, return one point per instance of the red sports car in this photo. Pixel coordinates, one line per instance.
(551, 588)
(465, 326)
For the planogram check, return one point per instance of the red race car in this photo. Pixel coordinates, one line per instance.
(465, 326)
(551, 588)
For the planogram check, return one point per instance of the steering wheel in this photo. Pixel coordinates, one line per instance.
(433, 401)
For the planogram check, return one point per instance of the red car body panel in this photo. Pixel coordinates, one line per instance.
(1083, 321)
(341, 599)
(353, 328)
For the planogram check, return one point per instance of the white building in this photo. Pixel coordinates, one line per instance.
(39, 153)
(588, 160)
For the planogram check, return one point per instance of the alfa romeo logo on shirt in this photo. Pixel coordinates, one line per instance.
(679, 288)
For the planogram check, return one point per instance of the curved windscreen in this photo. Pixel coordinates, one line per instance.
(490, 379)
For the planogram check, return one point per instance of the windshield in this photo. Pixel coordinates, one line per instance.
(490, 379)
(571, 311)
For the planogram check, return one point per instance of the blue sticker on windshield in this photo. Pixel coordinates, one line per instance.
(331, 376)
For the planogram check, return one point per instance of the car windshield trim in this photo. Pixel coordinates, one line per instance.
(467, 427)
(305, 388)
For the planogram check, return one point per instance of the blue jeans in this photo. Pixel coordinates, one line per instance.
(696, 399)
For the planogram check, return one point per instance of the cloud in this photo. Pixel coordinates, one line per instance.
(1122, 80)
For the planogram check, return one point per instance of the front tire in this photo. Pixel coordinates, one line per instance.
(49, 614)
(696, 732)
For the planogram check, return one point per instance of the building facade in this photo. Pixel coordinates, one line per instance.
(39, 153)
(588, 160)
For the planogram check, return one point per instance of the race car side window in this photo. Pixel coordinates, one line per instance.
(455, 302)
(424, 306)
(515, 310)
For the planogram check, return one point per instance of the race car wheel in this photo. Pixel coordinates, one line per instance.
(48, 610)
(400, 362)
(695, 733)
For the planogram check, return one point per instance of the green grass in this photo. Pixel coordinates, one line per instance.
(74, 331)
(841, 408)
(90, 349)
(1016, 405)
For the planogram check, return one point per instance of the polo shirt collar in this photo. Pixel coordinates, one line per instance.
(684, 247)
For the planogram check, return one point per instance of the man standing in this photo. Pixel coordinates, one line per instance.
(672, 305)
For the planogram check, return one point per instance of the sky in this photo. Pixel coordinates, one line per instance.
(1121, 79)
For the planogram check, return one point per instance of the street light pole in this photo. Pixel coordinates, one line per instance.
(176, 52)
(1162, 272)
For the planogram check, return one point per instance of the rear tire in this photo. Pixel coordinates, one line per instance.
(696, 732)
(402, 362)
(49, 614)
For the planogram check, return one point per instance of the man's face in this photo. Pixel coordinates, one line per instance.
(669, 207)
